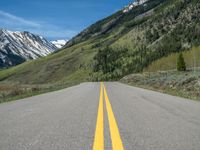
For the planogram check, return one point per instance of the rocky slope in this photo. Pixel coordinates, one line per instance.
(17, 47)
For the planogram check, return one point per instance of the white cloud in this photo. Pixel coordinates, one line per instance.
(9, 18)
(12, 22)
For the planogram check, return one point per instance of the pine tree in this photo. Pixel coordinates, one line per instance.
(181, 63)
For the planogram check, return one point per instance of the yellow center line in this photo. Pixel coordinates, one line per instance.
(99, 133)
(114, 131)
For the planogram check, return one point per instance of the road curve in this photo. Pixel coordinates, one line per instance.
(68, 120)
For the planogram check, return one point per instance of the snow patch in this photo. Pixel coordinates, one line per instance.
(23, 44)
(59, 43)
(133, 5)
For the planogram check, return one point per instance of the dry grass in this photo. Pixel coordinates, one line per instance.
(192, 59)
(8, 91)
(184, 84)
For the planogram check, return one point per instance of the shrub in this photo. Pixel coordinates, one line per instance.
(16, 92)
(181, 63)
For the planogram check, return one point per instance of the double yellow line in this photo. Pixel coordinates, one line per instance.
(114, 131)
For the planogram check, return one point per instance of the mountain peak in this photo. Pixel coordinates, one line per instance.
(17, 47)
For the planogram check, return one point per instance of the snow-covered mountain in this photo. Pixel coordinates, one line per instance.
(59, 43)
(134, 4)
(17, 47)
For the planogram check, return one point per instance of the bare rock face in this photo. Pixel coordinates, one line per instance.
(17, 47)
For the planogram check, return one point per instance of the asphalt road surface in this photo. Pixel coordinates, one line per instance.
(100, 116)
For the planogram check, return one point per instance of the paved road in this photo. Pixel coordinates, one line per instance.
(72, 119)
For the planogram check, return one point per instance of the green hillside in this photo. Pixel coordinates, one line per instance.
(121, 44)
(172, 27)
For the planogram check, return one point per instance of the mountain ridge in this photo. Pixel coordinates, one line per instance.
(17, 47)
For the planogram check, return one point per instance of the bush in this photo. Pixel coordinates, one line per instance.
(181, 63)
(16, 92)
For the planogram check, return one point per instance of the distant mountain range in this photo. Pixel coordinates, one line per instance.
(17, 47)
(59, 43)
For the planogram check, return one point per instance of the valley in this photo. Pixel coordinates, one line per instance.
(121, 44)
(128, 81)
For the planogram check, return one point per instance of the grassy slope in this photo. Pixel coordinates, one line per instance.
(192, 59)
(53, 68)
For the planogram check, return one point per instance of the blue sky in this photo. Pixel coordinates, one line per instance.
(55, 19)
